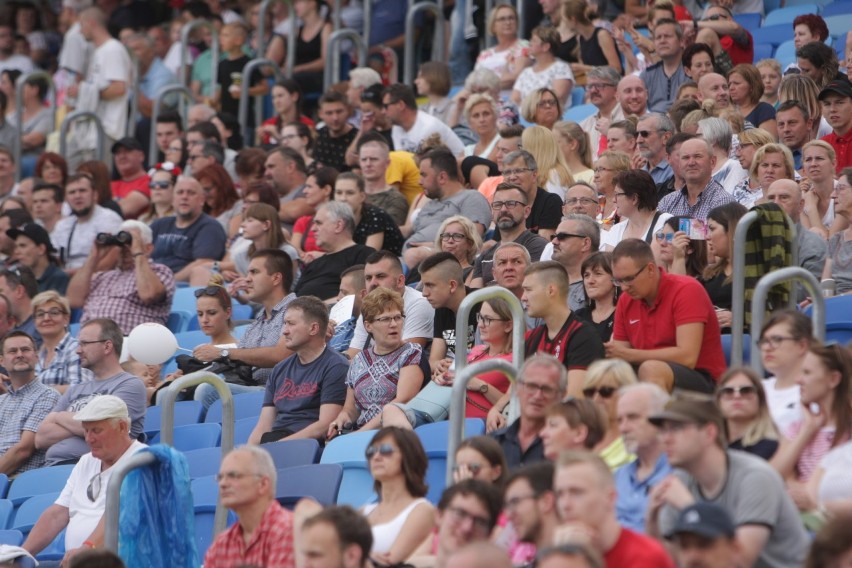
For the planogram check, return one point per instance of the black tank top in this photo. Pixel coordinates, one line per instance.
(590, 50)
(307, 51)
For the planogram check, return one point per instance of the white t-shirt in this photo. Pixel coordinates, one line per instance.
(529, 80)
(612, 237)
(784, 404)
(74, 239)
(85, 514)
(419, 319)
(111, 62)
(423, 127)
(837, 464)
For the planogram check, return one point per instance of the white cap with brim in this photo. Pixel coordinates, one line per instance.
(103, 407)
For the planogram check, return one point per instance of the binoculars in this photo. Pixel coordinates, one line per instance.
(121, 239)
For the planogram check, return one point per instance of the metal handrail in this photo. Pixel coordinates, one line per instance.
(291, 37)
(167, 431)
(333, 49)
(335, 15)
(437, 44)
(368, 27)
(248, 132)
(19, 112)
(761, 291)
(155, 114)
(75, 116)
(490, 38)
(133, 96)
(113, 494)
(187, 29)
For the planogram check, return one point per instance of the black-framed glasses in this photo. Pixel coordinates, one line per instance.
(455, 237)
(84, 343)
(565, 236)
(728, 392)
(486, 320)
(646, 133)
(605, 392)
(664, 237)
(460, 515)
(546, 103)
(382, 449)
(208, 291)
(516, 172)
(598, 86)
(389, 103)
(774, 341)
(584, 200)
(508, 204)
(94, 488)
(628, 279)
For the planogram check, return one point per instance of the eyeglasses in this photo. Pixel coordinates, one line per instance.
(773, 341)
(94, 488)
(234, 475)
(628, 279)
(85, 343)
(455, 237)
(289, 136)
(383, 449)
(54, 313)
(389, 103)
(564, 236)
(208, 291)
(503, 19)
(546, 103)
(513, 503)
(729, 392)
(533, 388)
(618, 194)
(515, 172)
(605, 392)
(159, 185)
(598, 86)
(646, 133)
(664, 237)
(600, 169)
(387, 319)
(486, 320)
(584, 200)
(460, 515)
(508, 204)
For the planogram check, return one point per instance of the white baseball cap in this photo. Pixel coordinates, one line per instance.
(103, 407)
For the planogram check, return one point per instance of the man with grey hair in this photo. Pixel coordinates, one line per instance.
(134, 291)
(205, 154)
(701, 193)
(633, 482)
(247, 481)
(105, 422)
(520, 168)
(576, 238)
(602, 86)
(333, 227)
(728, 171)
(652, 132)
(199, 113)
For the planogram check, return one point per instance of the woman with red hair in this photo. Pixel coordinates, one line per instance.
(808, 28)
(223, 202)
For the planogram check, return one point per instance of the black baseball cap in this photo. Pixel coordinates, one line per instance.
(35, 233)
(128, 142)
(708, 520)
(841, 87)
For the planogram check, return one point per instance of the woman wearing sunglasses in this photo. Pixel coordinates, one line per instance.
(402, 518)
(601, 294)
(388, 371)
(678, 253)
(748, 422)
(163, 177)
(603, 380)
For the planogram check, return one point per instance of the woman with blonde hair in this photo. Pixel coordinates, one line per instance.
(511, 54)
(542, 107)
(58, 365)
(480, 112)
(797, 87)
(609, 164)
(458, 236)
(748, 422)
(749, 142)
(819, 162)
(689, 123)
(771, 162)
(603, 380)
(574, 143)
(553, 172)
(746, 87)
(770, 74)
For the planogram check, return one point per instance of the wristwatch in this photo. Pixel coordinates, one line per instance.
(484, 388)
(224, 353)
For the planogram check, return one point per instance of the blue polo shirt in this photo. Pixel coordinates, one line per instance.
(632, 501)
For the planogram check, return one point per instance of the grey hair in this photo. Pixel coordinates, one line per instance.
(263, 464)
(656, 395)
(717, 131)
(588, 226)
(212, 149)
(209, 112)
(341, 211)
(144, 229)
(664, 122)
(480, 79)
(604, 73)
(364, 77)
(513, 244)
(529, 159)
(547, 360)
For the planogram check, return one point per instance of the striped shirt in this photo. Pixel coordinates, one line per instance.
(23, 410)
(65, 367)
(813, 453)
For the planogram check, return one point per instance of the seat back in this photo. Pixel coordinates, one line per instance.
(774, 35)
(4, 485)
(38, 482)
(787, 14)
(319, 481)
(195, 436)
(11, 537)
(292, 453)
(203, 462)
(246, 405)
(30, 510)
(6, 512)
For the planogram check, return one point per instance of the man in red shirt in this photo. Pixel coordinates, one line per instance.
(131, 191)
(585, 500)
(836, 99)
(665, 324)
(263, 535)
(728, 40)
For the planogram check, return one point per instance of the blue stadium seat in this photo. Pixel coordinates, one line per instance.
(74, 329)
(762, 51)
(11, 537)
(192, 339)
(786, 15)
(839, 25)
(319, 481)
(785, 54)
(240, 312)
(579, 113)
(434, 438)
(6, 511)
(292, 453)
(205, 493)
(356, 488)
(203, 462)
(748, 21)
(186, 412)
(239, 331)
(184, 299)
(747, 347)
(246, 405)
(836, 9)
(774, 35)
(30, 510)
(243, 429)
(38, 482)
(578, 95)
(4, 485)
(179, 320)
(195, 436)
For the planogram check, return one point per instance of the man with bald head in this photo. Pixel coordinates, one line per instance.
(714, 86)
(701, 193)
(812, 248)
(633, 96)
(191, 236)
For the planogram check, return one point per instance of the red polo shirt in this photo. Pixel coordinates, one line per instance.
(680, 300)
(121, 188)
(843, 149)
(739, 53)
(633, 550)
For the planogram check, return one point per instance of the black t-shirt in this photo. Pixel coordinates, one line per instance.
(321, 278)
(445, 328)
(721, 294)
(230, 104)
(546, 211)
(331, 152)
(603, 328)
(762, 448)
(375, 220)
(577, 344)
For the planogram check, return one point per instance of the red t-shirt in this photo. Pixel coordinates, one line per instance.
(843, 149)
(276, 122)
(303, 227)
(476, 403)
(739, 53)
(680, 300)
(633, 550)
(121, 188)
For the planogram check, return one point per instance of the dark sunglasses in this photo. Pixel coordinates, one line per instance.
(605, 392)
(747, 390)
(94, 488)
(159, 185)
(383, 449)
(664, 237)
(563, 236)
(208, 291)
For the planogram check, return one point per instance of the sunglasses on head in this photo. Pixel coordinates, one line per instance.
(208, 291)
(383, 449)
(605, 392)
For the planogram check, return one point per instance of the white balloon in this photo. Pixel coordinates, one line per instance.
(151, 343)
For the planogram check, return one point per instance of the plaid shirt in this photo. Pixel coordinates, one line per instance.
(23, 410)
(113, 295)
(270, 545)
(265, 332)
(712, 196)
(65, 368)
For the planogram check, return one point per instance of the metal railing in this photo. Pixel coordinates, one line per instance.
(19, 112)
(248, 132)
(187, 29)
(133, 96)
(333, 53)
(186, 101)
(76, 116)
(291, 37)
(490, 38)
(438, 43)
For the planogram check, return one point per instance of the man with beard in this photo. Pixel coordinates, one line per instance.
(602, 85)
(133, 290)
(531, 504)
(191, 236)
(74, 235)
(509, 211)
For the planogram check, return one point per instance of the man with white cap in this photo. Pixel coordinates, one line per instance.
(80, 507)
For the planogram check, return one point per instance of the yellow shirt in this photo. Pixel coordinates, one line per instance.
(403, 172)
(616, 455)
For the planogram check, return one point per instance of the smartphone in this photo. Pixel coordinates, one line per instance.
(695, 229)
